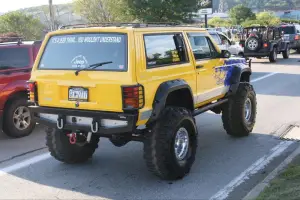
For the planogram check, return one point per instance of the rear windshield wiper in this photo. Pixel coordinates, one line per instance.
(93, 66)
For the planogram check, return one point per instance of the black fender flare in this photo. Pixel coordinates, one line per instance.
(273, 45)
(286, 45)
(235, 78)
(162, 93)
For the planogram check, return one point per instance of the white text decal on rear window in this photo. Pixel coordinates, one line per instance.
(72, 39)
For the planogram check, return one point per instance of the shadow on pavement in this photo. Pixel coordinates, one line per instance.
(120, 173)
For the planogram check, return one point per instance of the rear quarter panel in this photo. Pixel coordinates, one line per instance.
(14, 87)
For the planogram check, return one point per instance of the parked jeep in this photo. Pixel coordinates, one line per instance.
(137, 82)
(16, 61)
(263, 41)
(291, 34)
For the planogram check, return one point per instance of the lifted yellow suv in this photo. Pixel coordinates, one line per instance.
(137, 82)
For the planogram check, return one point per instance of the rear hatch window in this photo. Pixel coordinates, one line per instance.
(14, 58)
(288, 29)
(77, 51)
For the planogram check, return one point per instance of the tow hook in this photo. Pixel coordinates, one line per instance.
(94, 126)
(60, 123)
(72, 138)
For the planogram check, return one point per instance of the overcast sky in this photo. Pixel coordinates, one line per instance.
(10, 5)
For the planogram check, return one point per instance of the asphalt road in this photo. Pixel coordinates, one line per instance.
(224, 168)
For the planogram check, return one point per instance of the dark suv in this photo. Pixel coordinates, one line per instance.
(291, 34)
(263, 41)
(16, 61)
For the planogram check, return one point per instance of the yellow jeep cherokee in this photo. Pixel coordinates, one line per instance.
(137, 82)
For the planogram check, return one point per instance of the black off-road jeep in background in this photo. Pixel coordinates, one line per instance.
(263, 41)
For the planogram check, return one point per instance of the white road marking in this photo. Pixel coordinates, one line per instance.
(23, 164)
(253, 169)
(263, 77)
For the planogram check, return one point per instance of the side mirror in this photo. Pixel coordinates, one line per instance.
(225, 54)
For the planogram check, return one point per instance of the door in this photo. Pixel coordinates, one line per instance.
(14, 64)
(206, 61)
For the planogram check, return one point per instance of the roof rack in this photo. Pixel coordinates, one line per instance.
(18, 40)
(122, 24)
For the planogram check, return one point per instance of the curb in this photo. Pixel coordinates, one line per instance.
(254, 193)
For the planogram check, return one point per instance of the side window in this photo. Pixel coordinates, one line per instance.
(216, 38)
(201, 46)
(165, 49)
(276, 33)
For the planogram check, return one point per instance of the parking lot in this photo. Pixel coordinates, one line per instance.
(225, 167)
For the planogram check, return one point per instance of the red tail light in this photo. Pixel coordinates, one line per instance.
(133, 97)
(265, 45)
(297, 37)
(32, 88)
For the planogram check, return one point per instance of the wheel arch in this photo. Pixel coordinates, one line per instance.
(172, 93)
(13, 96)
(238, 75)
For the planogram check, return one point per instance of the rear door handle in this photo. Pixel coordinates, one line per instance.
(199, 66)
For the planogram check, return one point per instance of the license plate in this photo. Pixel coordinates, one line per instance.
(287, 38)
(78, 94)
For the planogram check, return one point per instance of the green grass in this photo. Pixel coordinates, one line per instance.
(286, 186)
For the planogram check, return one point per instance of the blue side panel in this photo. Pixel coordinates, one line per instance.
(232, 67)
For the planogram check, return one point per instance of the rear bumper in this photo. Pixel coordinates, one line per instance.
(73, 120)
(254, 54)
(1, 120)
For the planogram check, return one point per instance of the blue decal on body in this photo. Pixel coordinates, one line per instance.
(223, 74)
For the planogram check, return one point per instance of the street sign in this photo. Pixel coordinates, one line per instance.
(205, 11)
(205, 7)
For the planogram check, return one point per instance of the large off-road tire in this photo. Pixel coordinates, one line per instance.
(239, 113)
(286, 53)
(18, 121)
(62, 150)
(273, 55)
(253, 43)
(164, 145)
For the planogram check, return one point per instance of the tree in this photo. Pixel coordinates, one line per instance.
(240, 13)
(163, 10)
(24, 25)
(217, 21)
(268, 18)
(102, 10)
(263, 19)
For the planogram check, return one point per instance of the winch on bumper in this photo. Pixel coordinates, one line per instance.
(84, 120)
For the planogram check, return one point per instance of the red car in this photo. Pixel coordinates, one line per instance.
(16, 61)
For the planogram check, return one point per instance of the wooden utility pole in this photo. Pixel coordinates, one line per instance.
(51, 15)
